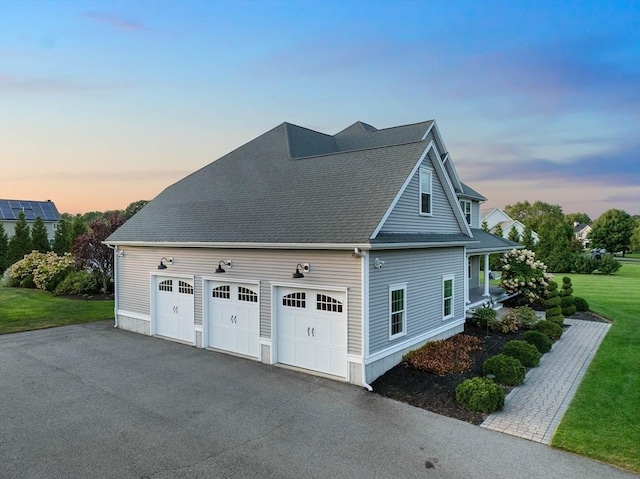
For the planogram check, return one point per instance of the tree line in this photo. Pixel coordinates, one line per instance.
(79, 235)
(615, 231)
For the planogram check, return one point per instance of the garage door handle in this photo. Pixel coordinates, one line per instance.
(313, 332)
(308, 331)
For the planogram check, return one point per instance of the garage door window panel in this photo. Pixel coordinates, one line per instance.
(295, 300)
(247, 295)
(221, 292)
(327, 303)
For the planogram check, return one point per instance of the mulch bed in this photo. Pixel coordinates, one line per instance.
(437, 393)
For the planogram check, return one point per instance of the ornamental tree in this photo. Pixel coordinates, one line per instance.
(89, 252)
(612, 230)
(523, 275)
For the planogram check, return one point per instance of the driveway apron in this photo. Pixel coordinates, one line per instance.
(92, 401)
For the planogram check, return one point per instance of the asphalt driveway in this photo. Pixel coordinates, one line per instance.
(91, 401)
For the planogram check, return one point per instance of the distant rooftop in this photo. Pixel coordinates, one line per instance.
(11, 209)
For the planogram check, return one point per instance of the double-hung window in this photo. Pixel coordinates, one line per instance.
(466, 210)
(447, 297)
(425, 191)
(397, 310)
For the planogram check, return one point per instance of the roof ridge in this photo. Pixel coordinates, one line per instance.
(357, 149)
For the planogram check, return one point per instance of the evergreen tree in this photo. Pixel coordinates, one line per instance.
(78, 227)
(527, 239)
(498, 231)
(4, 247)
(514, 235)
(484, 226)
(554, 248)
(62, 238)
(20, 242)
(39, 236)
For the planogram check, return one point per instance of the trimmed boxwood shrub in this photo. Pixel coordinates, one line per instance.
(480, 394)
(553, 310)
(566, 297)
(526, 353)
(580, 303)
(550, 329)
(484, 316)
(506, 369)
(539, 340)
(77, 282)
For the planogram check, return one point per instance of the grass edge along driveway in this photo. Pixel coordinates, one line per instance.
(603, 420)
(24, 309)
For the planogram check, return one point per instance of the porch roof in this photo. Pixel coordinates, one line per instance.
(490, 243)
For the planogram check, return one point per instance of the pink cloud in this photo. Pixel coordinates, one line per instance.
(115, 21)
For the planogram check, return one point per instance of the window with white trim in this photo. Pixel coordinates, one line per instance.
(397, 310)
(466, 210)
(447, 297)
(425, 191)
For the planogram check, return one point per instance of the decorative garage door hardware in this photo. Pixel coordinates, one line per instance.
(313, 332)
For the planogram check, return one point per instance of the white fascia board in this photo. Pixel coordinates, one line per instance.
(441, 244)
(402, 189)
(452, 196)
(241, 245)
(504, 249)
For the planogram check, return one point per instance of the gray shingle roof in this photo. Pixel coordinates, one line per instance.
(352, 138)
(490, 243)
(271, 190)
(469, 192)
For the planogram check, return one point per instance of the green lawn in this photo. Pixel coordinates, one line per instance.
(603, 420)
(25, 309)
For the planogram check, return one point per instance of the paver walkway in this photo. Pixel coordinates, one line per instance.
(534, 409)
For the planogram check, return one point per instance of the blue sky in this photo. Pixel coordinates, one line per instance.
(106, 102)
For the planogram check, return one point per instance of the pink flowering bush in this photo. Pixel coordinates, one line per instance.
(44, 270)
(522, 274)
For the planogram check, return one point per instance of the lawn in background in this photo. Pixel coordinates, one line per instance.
(24, 309)
(603, 420)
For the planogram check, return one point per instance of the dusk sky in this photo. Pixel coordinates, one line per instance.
(107, 102)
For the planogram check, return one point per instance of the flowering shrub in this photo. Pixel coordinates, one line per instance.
(522, 274)
(44, 270)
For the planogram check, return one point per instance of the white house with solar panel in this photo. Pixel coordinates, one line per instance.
(46, 210)
(331, 254)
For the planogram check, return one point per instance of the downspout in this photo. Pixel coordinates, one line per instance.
(115, 284)
(364, 282)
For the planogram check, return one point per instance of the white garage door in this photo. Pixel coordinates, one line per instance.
(234, 318)
(312, 330)
(174, 308)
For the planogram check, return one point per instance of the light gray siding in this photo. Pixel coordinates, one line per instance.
(474, 262)
(423, 271)
(328, 269)
(406, 218)
(475, 214)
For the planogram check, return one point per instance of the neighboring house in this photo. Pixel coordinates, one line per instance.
(496, 216)
(581, 232)
(46, 210)
(335, 254)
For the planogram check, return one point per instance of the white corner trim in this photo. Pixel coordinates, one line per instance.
(265, 341)
(198, 328)
(353, 358)
(412, 341)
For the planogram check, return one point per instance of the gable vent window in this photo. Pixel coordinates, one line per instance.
(327, 303)
(425, 191)
(184, 287)
(221, 292)
(166, 285)
(295, 300)
(245, 294)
